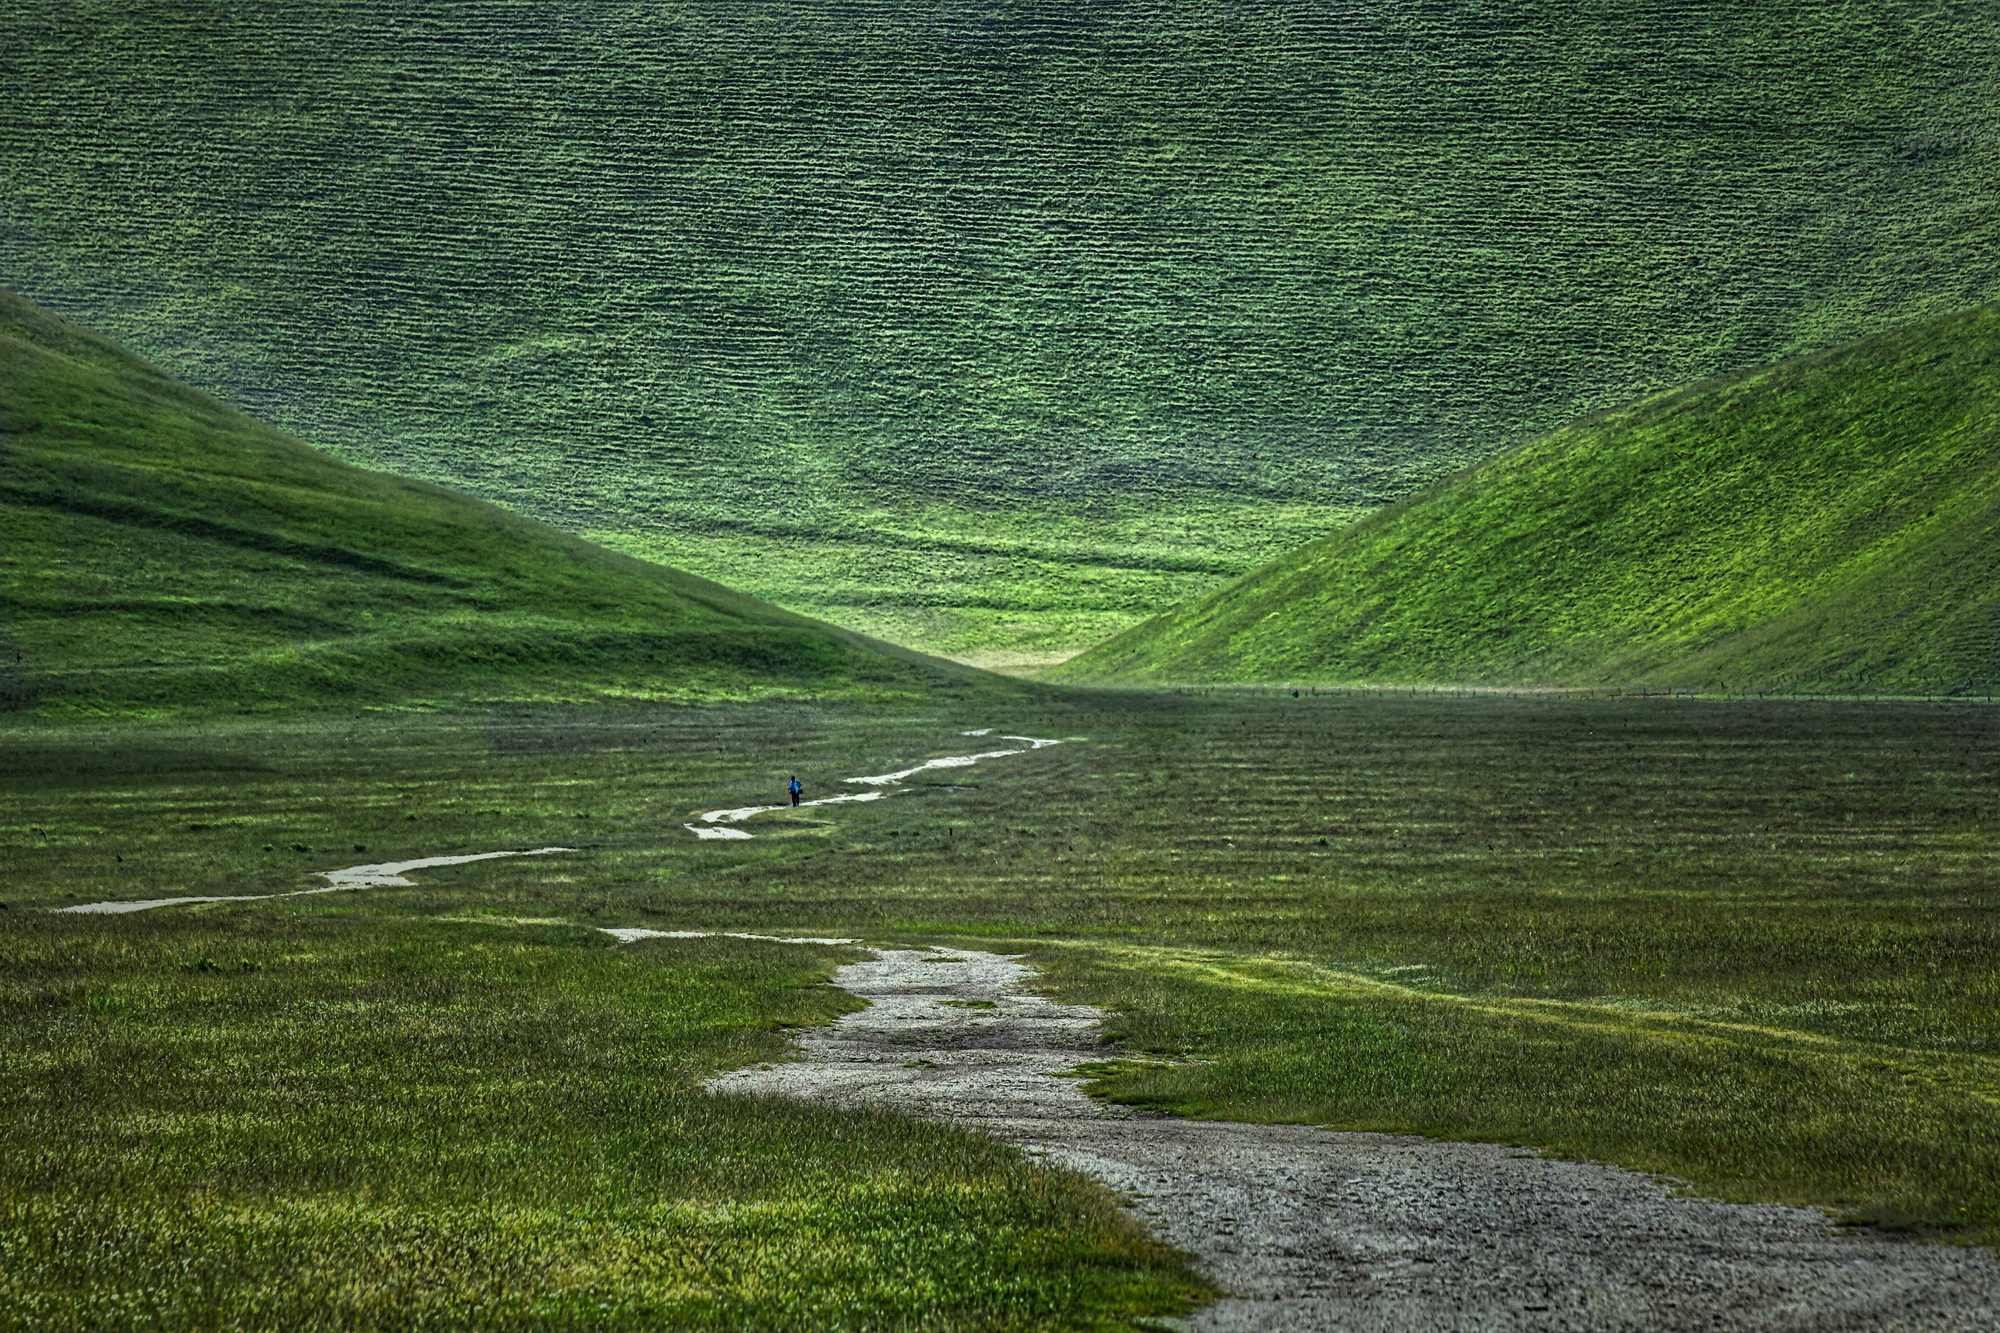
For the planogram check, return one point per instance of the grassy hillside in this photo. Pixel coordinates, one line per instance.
(990, 323)
(1825, 524)
(165, 551)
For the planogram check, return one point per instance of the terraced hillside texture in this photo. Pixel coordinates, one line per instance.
(164, 552)
(995, 326)
(1829, 524)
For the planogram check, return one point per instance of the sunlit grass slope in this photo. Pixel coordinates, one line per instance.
(1040, 317)
(1824, 524)
(162, 551)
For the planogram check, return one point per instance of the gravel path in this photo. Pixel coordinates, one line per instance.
(1317, 1230)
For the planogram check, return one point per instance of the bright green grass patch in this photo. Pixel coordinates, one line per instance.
(282, 1117)
(1827, 525)
(1740, 1106)
(1011, 589)
(784, 266)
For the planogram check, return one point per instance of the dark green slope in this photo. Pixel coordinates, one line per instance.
(1827, 524)
(984, 322)
(160, 551)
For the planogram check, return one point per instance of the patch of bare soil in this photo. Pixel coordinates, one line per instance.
(1311, 1229)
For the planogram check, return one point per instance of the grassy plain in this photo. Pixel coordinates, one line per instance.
(815, 298)
(363, 1120)
(1749, 945)
(1823, 525)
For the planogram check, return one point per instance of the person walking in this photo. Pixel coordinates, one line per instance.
(795, 789)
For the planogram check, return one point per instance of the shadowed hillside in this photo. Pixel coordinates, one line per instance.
(986, 325)
(163, 551)
(1827, 524)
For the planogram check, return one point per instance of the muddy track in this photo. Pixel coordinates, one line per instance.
(1317, 1230)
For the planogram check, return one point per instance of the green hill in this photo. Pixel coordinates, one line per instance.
(1826, 524)
(994, 325)
(165, 552)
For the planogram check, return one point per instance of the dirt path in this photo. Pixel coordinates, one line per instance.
(1319, 1230)
(388, 874)
(714, 824)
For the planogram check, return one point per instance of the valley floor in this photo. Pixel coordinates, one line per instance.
(1749, 946)
(1015, 589)
(1309, 1230)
